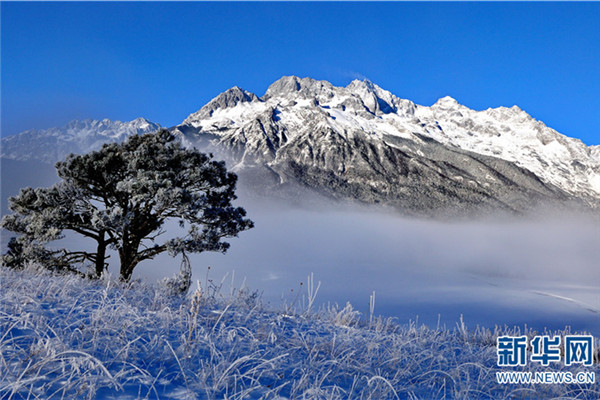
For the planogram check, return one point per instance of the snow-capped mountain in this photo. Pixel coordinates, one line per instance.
(362, 142)
(54, 144)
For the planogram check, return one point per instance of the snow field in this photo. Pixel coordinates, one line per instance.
(64, 337)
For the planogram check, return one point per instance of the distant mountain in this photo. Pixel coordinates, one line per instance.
(54, 144)
(362, 142)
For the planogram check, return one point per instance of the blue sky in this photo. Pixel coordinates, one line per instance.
(163, 61)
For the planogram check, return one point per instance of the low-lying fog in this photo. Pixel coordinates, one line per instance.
(542, 273)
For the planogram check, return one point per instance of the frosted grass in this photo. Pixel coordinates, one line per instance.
(63, 337)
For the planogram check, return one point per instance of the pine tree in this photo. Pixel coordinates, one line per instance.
(122, 195)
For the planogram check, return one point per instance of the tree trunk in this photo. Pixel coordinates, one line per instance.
(127, 266)
(100, 255)
(128, 256)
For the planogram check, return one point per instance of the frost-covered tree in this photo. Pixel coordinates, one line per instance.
(122, 195)
(41, 215)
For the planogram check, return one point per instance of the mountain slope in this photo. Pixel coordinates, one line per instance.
(54, 144)
(362, 142)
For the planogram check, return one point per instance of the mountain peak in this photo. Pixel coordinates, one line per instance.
(141, 120)
(513, 113)
(106, 124)
(285, 84)
(143, 124)
(362, 84)
(77, 136)
(229, 98)
(374, 97)
(292, 86)
(446, 102)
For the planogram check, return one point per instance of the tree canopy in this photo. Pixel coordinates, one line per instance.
(121, 196)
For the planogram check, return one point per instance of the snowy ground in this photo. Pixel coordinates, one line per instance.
(65, 338)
